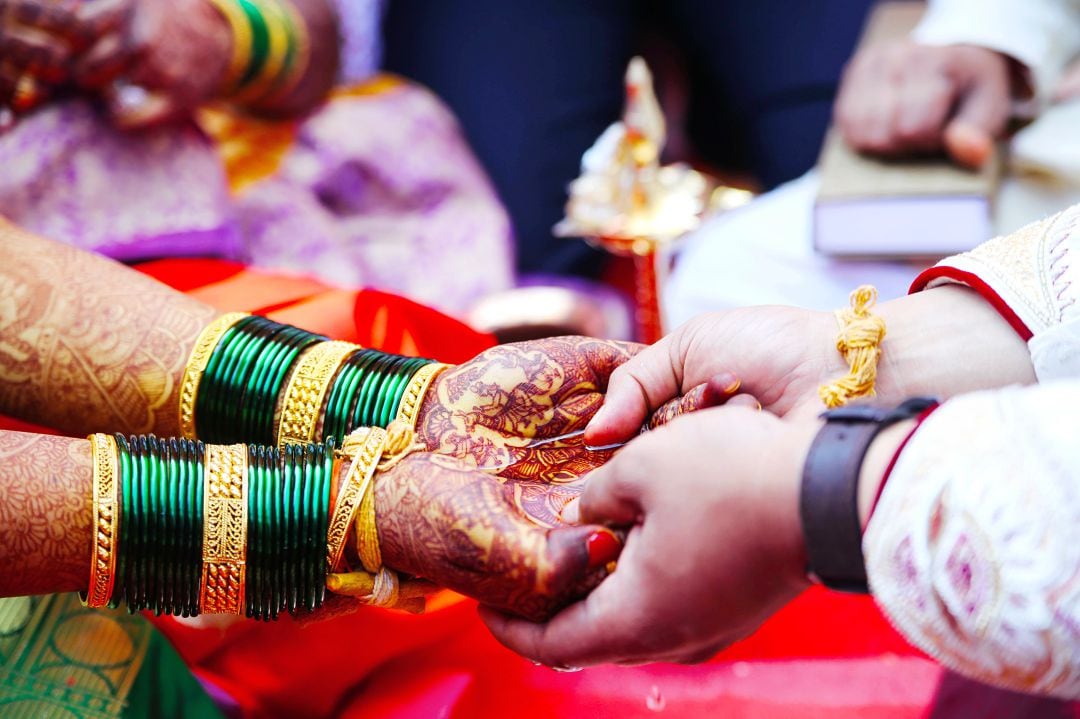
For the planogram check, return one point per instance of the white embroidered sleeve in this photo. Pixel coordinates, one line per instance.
(973, 551)
(1043, 35)
(1033, 277)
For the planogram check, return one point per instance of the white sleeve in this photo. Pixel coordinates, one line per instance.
(973, 551)
(1033, 278)
(1043, 35)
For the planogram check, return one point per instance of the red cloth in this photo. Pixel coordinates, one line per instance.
(825, 655)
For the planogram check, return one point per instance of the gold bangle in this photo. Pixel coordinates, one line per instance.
(196, 365)
(242, 41)
(225, 520)
(106, 521)
(859, 342)
(305, 392)
(364, 447)
(409, 409)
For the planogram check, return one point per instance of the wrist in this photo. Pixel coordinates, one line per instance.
(947, 341)
(797, 442)
(875, 467)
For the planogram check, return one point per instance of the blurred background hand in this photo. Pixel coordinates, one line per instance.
(904, 97)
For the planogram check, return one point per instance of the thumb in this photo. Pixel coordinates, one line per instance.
(978, 122)
(612, 494)
(635, 389)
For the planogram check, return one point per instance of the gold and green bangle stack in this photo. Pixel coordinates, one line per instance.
(254, 380)
(212, 529)
(270, 49)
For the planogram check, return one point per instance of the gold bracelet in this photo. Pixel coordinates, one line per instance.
(859, 342)
(413, 398)
(364, 447)
(242, 36)
(225, 520)
(196, 366)
(106, 513)
(305, 393)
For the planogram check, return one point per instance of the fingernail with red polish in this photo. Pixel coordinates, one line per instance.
(603, 547)
(728, 382)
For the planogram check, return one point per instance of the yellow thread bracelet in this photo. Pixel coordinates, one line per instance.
(859, 342)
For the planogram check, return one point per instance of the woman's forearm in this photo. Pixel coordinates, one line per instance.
(87, 344)
(45, 508)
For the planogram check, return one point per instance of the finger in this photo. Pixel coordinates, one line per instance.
(608, 625)
(635, 389)
(459, 528)
(613, 492)
(979, 121)
(58, 17)
(866, 116)
(744, 400)
(103, 62)
(101, 17)
(32, 50)
(925, 102)
(717, 391)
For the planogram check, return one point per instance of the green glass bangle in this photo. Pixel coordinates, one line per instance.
(248, 404)
(363, 367)
(343, 393)
(206, 411)
(122, 548)
(260, 42)
(231, 385)
(369, 392)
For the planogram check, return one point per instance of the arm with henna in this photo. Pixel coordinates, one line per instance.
(436, 517)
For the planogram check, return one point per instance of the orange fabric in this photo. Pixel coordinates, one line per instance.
(825, 655)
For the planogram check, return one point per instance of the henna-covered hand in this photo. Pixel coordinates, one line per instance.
(543, 478)
(441, 519)
(489, 410)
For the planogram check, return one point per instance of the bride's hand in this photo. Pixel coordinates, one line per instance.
(496, 410)
(443, 520)
(510, 409)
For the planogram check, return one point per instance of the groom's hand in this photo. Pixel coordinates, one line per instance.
(714, 544)
(780, 354)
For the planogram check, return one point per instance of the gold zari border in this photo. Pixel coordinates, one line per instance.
(225, 520)
(106, 520)
(364, 447)
(196, 365)
(302, 404)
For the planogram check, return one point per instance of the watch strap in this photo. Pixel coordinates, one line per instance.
(828, 500)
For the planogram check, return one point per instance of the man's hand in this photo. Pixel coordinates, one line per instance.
(715, 544)
(780, 354)
(905, 98)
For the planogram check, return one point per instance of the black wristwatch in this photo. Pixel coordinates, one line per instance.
(828, 501)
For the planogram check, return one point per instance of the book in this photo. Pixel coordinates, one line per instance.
(911, 208)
